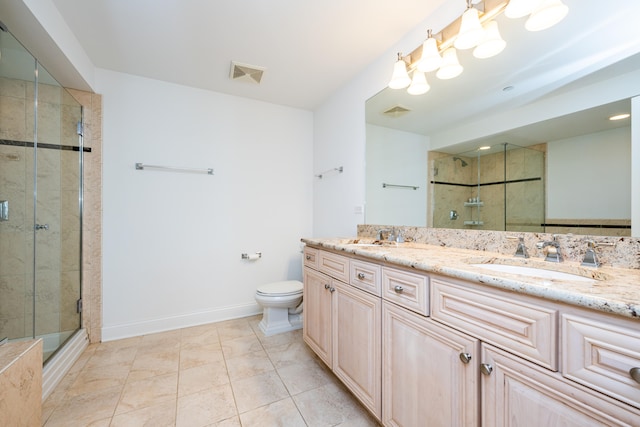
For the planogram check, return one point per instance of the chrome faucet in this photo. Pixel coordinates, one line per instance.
(590, 257)
(521, 250)
(385, 230)
(551, 249)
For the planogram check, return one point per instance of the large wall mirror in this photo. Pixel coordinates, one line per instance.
(556, 163)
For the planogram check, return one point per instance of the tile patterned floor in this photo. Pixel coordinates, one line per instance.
(224, 374)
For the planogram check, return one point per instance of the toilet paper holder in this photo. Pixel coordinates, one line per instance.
(252, 257)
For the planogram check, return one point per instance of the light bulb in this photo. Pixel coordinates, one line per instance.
(450, 67)
(400, 78)
(470, 32)
(546, 15)
(419, 84)
(492, 43)
(431, 58)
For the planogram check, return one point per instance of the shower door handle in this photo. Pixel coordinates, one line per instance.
(41, 227)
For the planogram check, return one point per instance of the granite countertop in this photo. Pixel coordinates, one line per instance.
(611, 290)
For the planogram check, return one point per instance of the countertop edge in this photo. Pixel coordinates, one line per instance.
(420, 258)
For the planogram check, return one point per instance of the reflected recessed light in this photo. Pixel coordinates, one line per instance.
(620, 116)
(484, 147)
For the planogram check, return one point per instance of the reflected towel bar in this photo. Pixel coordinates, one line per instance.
(413, 187)
(339, 170)
(141, 166)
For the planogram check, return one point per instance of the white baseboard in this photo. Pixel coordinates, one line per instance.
(134, 329)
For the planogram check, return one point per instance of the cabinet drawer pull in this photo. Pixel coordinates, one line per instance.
(361, 276)
(486, 368)
(327, 286)
(635, 374)
(332, 289)
(308, 257)
(465, 357)
(398, 289)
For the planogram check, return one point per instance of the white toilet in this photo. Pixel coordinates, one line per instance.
(282, 303)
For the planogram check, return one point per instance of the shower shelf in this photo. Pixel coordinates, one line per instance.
(474, 203)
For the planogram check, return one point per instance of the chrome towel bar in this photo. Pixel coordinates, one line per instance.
(142, 166)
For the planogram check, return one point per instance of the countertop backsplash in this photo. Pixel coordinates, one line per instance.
(624, 254)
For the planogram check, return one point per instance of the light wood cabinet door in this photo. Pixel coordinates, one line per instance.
(425, 381)
(357, 348)
(519, 393)
(316, 309)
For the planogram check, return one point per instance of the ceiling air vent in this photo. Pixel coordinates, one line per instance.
(246, 73)
(396, 111)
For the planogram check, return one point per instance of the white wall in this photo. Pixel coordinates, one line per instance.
(387, 161)
(635, 166)
(173, 241)
(594, 171)
(340, 135)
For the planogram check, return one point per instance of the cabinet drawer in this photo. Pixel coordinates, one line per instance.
(336, 266)
(366, 276)
(523, 328)
(406, 289)
(310, 257)
(601, 355)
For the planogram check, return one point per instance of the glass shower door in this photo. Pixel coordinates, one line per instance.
(57, 219)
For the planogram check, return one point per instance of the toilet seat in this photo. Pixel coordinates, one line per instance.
(288, 287)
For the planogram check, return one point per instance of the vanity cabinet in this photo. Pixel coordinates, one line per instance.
(342, 325)
(430, 374)
(424, 349)
(516, 392)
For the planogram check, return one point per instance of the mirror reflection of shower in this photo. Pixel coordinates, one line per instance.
(510, 177)
(462, 162)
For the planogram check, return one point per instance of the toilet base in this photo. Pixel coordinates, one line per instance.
(278, 320)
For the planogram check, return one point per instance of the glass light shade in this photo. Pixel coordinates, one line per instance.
(431, 58)
(471, 30)
(450, 67)
(520, 8)
(419, 84)
(400, 78)
(492, 44)
(546, 15)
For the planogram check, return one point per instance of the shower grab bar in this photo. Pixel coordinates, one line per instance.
(413, 187)
(142, 166)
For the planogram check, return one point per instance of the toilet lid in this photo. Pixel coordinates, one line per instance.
(281, 288)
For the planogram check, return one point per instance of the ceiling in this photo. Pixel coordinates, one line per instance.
(309, 48)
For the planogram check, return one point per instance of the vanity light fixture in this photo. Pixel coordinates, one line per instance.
(419, 84)
(450, 67)
(492, 43)
(430, 59)
(546, 15)
(471, 32)
(620, 117)
(400, 78)
(475, 28)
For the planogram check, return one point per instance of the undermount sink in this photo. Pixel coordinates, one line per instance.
(533, 272)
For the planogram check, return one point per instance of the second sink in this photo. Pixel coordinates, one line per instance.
(533, 272)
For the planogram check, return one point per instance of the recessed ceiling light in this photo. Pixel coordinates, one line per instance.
(620, 116)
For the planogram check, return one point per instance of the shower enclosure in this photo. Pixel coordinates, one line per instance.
(41, 155)
(497, 188)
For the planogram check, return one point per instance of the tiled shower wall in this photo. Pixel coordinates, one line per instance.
(58, 197)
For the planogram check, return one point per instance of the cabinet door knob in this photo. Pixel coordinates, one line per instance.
(361, 276)
(327, 286)
(635, 374)
(398, 289)
(465, 357)
(486, 368)
(308, 257)
(332, 289)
